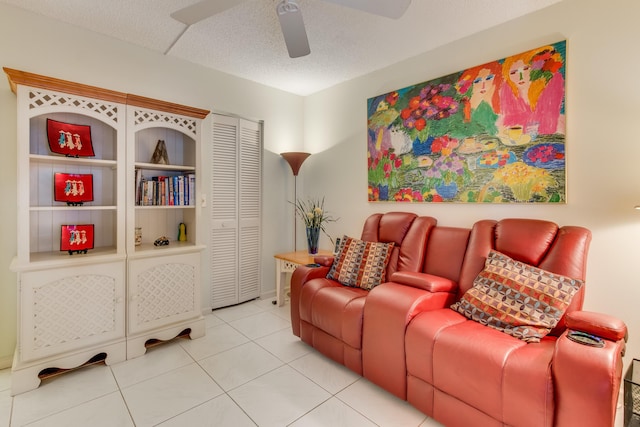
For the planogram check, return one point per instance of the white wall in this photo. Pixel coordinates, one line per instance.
(39, 45)
(603, 141)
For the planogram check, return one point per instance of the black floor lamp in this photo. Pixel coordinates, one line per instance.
(295, 160)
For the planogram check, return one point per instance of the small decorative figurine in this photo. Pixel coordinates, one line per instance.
(182, 232)
(160, 155)
(138, 236)
(161, 241)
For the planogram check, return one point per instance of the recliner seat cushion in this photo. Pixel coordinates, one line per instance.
(472, 369)
(338, 312)
(464, 361)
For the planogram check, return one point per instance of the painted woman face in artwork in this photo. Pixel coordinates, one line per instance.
(483, 87)
(520, 75)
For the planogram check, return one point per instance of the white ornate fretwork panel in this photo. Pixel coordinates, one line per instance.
(43, 98)
(70, 308)
(163, 290)
(186, 124)
(73, 308)
(288, 266)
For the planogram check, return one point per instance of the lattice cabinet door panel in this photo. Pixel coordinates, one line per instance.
(163, 290)
(67, 309)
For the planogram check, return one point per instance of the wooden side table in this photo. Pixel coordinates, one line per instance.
(287, 263)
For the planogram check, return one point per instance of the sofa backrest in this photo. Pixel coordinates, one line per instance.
(445, 252)
(409, 233)
(561, 250)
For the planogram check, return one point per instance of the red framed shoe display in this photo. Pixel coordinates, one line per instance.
(76, 238)
(75, 189)
(69, 139)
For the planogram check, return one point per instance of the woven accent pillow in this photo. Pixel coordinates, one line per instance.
(516, 298)
(361, 264)
(336, 257)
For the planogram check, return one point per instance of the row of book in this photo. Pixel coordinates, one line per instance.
(176, 190)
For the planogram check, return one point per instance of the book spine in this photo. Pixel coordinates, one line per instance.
(171, 191)
(181, 190)
(192, 189)
(186, 190)
(154, 191)
(162, 181)
(138, 187)
(145, 193)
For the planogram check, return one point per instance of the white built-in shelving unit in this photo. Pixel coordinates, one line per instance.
(109, 302)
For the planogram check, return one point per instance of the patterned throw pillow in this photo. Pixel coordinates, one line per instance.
(336, 256)
(361, 264)
(516, 298)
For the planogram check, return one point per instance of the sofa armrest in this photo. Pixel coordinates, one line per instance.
(300, 276)
(601, 325)
(303, 274)
(580, 370)
(388, 309)
(324, 260)
(427, 282)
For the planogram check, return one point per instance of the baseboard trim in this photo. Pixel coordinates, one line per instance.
(268, 295)
(5, 362)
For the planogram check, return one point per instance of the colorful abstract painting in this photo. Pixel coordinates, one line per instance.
(493, 133)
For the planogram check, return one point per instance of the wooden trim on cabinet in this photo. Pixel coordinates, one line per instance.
(167, 107)
(17, 77)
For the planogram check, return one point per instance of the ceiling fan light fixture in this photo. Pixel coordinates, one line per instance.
(287, 6)
(290, 17)
(293, 31)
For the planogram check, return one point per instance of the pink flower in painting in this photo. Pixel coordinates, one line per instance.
(387, 170)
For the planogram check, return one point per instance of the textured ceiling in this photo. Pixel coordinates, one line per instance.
(246, 40)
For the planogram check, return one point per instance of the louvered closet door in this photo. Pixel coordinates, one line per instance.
(250, 172)
(235, 210)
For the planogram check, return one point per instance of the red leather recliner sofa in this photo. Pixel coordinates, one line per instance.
(403, 336)
(328, 315)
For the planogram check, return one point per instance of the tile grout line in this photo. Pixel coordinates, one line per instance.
(226, 392)
(289, 364)
(126, 405)
(284, 363)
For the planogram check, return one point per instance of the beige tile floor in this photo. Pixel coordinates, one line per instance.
(248, 370)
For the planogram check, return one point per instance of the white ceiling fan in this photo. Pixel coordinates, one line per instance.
(290, 16)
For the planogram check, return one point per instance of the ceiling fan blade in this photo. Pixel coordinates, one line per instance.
(295, 35)
(202, 10)
(393, 9)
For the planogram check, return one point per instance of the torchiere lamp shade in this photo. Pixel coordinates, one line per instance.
(295, 160)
